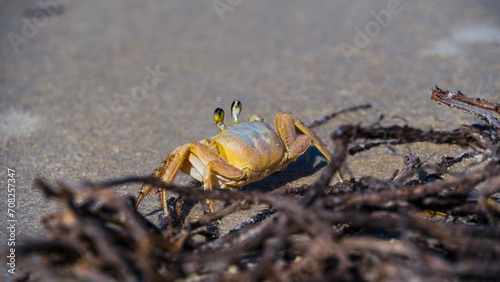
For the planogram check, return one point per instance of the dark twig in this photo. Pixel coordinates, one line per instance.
(447, 162)
(459, 96)
(355, 230)
(412, 163)
(447, 97)
(325, 118)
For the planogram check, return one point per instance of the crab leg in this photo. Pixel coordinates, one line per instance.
(294, 146)
(314, 138)
(167, 171)
(223, 169)
(316, 141)
(191, 156)
(286, 125)
(215, 165)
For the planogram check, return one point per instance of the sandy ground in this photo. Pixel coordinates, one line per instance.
(96, 90)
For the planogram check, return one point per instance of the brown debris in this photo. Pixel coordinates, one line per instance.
(366, 229)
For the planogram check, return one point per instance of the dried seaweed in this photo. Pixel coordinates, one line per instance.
(442, 226)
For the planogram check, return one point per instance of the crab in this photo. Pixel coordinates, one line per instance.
(238, 155)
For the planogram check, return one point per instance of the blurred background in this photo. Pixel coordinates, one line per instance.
(95, 90)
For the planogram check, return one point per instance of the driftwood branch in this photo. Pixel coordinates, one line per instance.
(444, 227)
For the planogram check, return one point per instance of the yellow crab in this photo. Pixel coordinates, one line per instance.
(238, 155)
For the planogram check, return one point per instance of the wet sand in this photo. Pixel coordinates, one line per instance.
(93, 90)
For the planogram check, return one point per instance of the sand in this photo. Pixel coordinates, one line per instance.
(92, 90)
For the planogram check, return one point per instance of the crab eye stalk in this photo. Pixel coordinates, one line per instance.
(219, 119)
(235, 111)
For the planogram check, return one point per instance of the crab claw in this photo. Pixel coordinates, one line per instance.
(235, 111)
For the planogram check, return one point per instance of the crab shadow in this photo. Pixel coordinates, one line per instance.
(304, 166)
